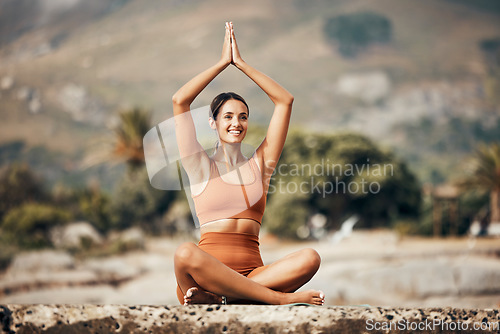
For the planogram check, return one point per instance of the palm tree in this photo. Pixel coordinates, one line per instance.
(485, 174)
(126, 144)
(134, 124)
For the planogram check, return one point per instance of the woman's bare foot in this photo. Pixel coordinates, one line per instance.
(314, 297)
(196, 295)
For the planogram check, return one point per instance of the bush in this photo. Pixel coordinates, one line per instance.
(95, 207)
(18, 185)
(354, 32)
(29, 225)
(89, 204)
(137, 203)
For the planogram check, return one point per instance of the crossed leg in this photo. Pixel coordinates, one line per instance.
(290, 272)
(271, 284)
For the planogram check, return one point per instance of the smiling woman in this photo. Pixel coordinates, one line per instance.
(229, 192)
(234, 115)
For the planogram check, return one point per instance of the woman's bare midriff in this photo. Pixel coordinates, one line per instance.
(239, 225)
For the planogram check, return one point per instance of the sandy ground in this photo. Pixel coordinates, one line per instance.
(376, 268)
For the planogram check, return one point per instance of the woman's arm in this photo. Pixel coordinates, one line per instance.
(193, 157)
(183, 98)
(272, 146)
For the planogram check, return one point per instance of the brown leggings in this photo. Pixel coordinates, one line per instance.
(238, 251)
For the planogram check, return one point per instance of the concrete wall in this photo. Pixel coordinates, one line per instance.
(17, 318)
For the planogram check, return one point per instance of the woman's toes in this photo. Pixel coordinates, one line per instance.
(191, 291)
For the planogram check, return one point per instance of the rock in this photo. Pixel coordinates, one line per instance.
(132, 238)
(478, 276)
(242, 319)
(35, 105)
(114, 268)
(63, 295)
(24, 93)
(75, 235)
(6, 83)
(45, 260)
(76, 100)
(26, 283)
(369, 87)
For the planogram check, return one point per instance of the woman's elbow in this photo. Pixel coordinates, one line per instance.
(180, 104)
(176, 99)
(288, 100)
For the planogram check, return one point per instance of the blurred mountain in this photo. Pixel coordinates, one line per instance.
(67, 66)
(58, 18)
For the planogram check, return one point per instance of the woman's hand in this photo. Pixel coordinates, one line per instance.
(226, 47)
(183, 98)
(236, 57)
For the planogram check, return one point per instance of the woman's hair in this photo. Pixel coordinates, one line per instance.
(222, 98)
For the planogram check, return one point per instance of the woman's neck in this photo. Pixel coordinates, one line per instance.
(230, 153)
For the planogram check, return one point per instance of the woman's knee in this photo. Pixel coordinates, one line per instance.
(312, 260)
(185, 255)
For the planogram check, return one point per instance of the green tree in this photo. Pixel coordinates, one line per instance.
(135, 201)
(337, 176)
(126, 143)
(354, 32)
(134, 124)
(484, 174)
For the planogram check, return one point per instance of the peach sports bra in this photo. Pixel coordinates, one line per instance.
(222, 200)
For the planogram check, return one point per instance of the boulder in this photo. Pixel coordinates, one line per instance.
(45, 260)
(75, 235)
(132, 238)
(369, 87)
(242, 319)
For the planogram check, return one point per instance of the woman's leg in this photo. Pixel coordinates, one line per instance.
(289, 273)
(196, 268)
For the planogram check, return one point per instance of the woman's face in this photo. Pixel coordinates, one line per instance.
(232, 121)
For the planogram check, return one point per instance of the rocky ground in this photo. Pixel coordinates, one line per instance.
(377, 268)
(296, 319)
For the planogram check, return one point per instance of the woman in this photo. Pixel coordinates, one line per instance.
(229, 192)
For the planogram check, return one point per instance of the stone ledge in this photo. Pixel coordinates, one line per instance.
(18, 318)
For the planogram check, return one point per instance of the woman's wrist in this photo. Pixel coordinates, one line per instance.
(223, 64)
(239, 64)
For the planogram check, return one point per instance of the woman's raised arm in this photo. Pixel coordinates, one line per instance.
(272, 146)
(193, 157)
(183, 98)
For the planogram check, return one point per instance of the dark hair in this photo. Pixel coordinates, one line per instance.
(222, 98)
